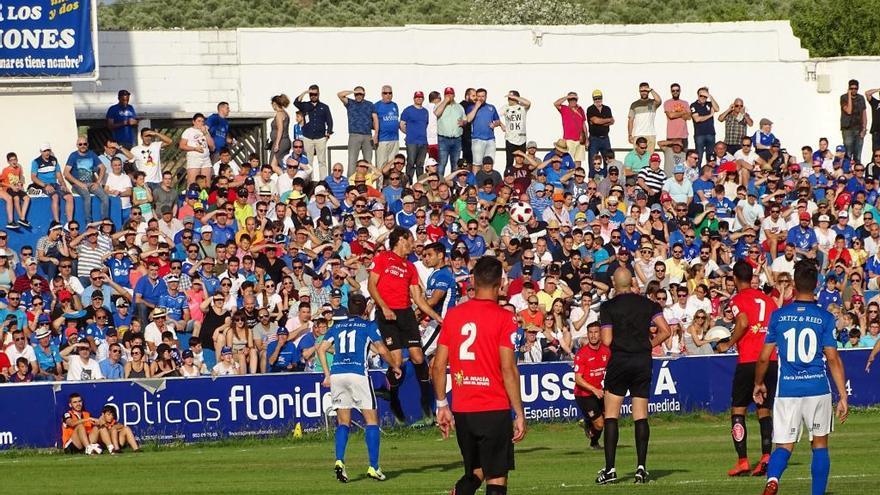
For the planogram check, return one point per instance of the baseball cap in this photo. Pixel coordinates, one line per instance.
(655, 157)
(794, 166)
(824, 218)
(64, 295)
(582, 199)
(840, 148)
(122, 303)
(45, 147)
(418, 94)
(843, 214)
(629, 221)
(171, 278)
(188, 219)
(166, 210)
(454, 228)
(191, 194)
(656, 207)
(665, 196)
(408, 199)
(430, 162)
(678, 169)
(531, 144)
(242, 192)
(265, 190)
(226, 351)
(558, 196)
(282, 331)
(304, 292)
(804, 216)
(623, 250)
(448, 91)
(122, 92)
(188, 354)
(765, 121)
(207, 228)
(470, 201)
(336, 293)
(597, 93)
(612, 200)
(198, 205)
(43, 319)
(580, 216)
(249, 181)
(320, 190)
(604, 213)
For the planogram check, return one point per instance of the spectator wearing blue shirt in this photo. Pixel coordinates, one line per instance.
(86, 174)
(49, 360)
(112, 367)
(46, 175)
(362, 123)
(840, 159)
(540, 195)
(484, 119)
(725, 209)
(281, 353)
(148, 291)
(176, 304)
(704, 186)
(414, 123)
(406, 218)
(337, 183)
(560, 152)
(388, 117)
(475, 243)
(218, 127)
(829, 294)
(857, 181)
(122, 316)
(764, 138)
(317, 129)
(842, 228)
(803, 237)
(394, 190)
(122, 120)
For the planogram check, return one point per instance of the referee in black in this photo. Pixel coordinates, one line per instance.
(626, 320)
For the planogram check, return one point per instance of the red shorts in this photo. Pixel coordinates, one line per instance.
(780, 246)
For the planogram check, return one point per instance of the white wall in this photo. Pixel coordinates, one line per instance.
(762, 62)
(33, 115)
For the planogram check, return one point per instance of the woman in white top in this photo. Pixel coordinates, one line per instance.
(693, 338)
(824, 237)
(697, 301)
(268, 298)
(189, 369)
(196, 141)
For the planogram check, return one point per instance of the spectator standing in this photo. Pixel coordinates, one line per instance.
(736, 125)
(599, 120)
(414, 123)
(514, 114)
(218, 127)
(363, 126)
(470, 96)
(484, 119)
(574, 125)
(388, 115)
(875, 118)
(317, 129)
(431, 105)
(853, 120)
(451, 122)
(703, 114)
(85, 172)
(677, 115)
(279, 136)
(196, 141)
(147, 155)
(46, 176)
(642, 112)
(122, 120)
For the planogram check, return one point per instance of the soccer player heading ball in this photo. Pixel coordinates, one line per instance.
(477, 341)
(800, 330)
(752, 309)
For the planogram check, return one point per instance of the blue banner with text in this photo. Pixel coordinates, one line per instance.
(195, 409)
(47, 38)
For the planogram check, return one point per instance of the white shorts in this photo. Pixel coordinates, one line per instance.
(429, 334)
(194, 161)
(352, 391)
(790, 414)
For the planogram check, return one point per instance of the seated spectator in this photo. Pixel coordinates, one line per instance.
(78, 432)
(81, 367)
(112, 367)
(112, 434)
(138, 367)
(23, 373)
(227, 365)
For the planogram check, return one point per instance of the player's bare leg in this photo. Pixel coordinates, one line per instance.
(612, 412)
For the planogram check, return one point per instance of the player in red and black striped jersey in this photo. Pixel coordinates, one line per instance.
(589, 372)
(752, 309)
(477, 341)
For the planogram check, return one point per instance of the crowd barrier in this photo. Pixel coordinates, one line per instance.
(196, 409)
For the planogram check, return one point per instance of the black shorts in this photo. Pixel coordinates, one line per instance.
(486, 442)
(744, 385)
(591, 406)
(16, 194)
(399, 333)
(629, 372)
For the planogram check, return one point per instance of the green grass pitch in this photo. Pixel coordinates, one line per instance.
(688, 454)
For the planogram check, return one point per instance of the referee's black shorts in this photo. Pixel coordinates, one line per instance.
(741, 395)
(399, 333)
(629, 372)
(486, 442)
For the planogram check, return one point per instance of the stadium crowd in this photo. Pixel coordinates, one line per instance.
(244, 270)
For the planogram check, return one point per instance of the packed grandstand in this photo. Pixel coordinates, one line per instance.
(240, 266)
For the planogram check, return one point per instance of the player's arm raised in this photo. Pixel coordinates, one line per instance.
(760, 391)
(835, 366)
(663, 331)
(418, 297)
(510, 375)
(739, 329)
(445, 421)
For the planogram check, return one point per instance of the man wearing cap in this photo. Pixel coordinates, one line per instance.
(176, 304)
(450, 125)
(322, 203)
(679, 188)
(574, 125)
(406, 217)
(48, 359)
(85, 173)
(81, 367)
(599, 121)
(362, 124)
(651, 179)
(557, 212)
(317, 129)
(763, 138)
(514, 115)
(122, 120)
(414, 123)
(483, 118)
(46, 175)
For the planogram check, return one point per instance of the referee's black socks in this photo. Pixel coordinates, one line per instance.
(740, 435)
(766, 435)
(643, 434)
(496, 490)
(468, 485)
(611, 435)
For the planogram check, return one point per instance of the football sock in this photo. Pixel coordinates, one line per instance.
(766, 435)
(778, 463)
(396, 407)
(819, 469)
(422, 372)
(371, 436)
(496, 490)
(467, 485)
(594, 435)
(341, 441)
(643, 433)
(611, 435)
(740, 435)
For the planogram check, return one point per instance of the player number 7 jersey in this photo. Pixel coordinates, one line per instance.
(757, 307)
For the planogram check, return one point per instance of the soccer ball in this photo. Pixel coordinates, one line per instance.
(520, 212)
(717, 334)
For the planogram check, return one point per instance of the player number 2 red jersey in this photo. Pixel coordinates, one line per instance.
(474, 332)
(758, 307)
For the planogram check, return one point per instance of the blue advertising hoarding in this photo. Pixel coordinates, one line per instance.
(196, 409)
(48, 39)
